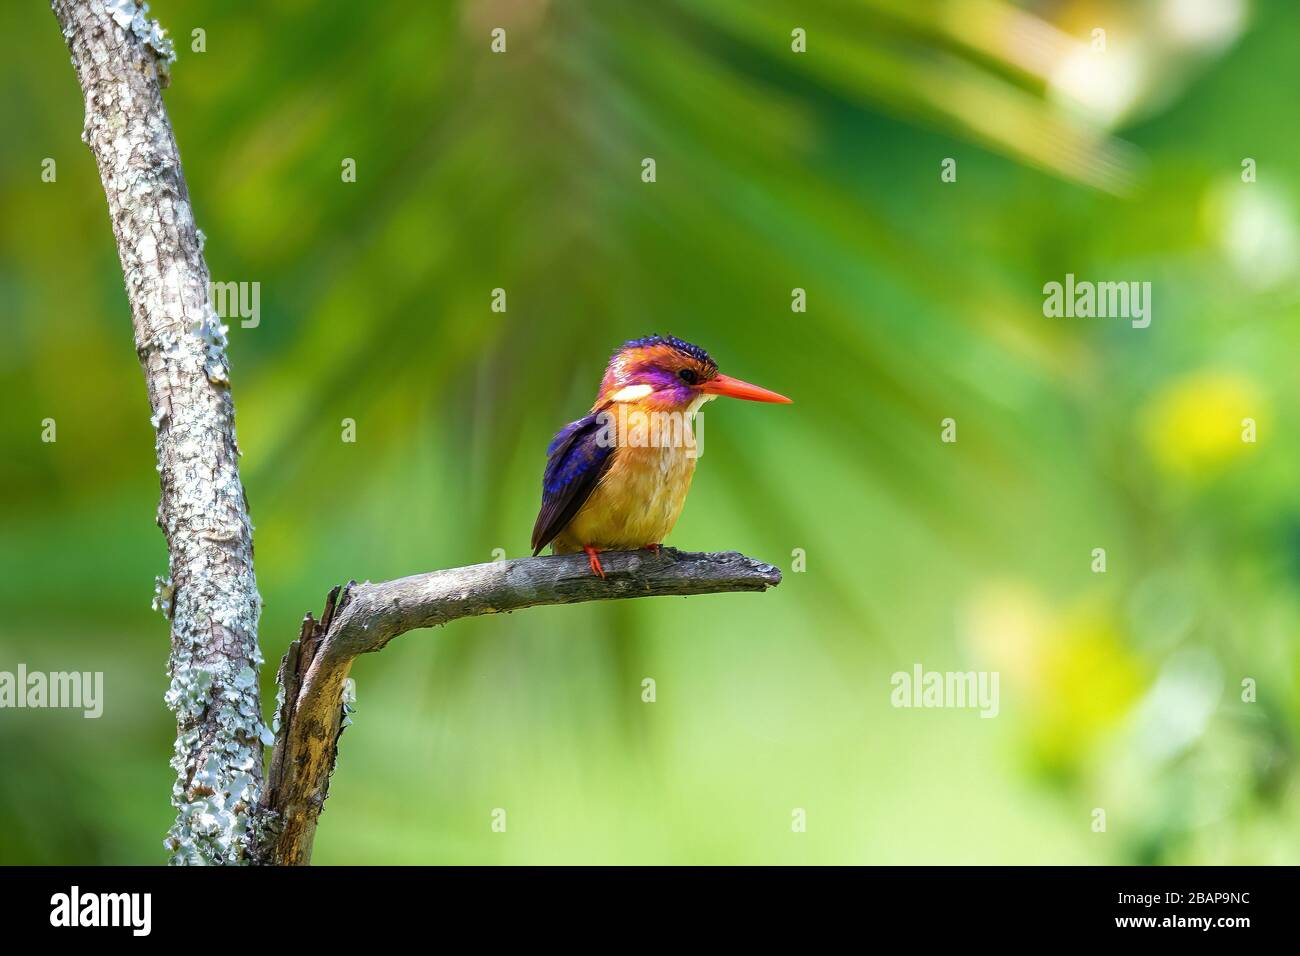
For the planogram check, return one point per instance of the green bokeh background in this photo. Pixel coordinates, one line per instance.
(775, 170)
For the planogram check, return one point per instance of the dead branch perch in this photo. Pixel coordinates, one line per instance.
(365, 617)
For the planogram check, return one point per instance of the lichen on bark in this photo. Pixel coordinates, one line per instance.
(209, 593)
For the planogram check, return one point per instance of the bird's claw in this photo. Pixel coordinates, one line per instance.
(593, 559)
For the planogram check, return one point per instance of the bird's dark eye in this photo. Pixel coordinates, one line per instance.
(688, 376)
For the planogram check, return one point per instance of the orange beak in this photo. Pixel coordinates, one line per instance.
(734, 388)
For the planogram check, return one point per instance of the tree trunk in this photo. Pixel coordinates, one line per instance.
(210, 593)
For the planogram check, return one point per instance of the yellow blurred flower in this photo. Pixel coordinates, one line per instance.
(1070, 669)
(1200, 423)
(1089, 682)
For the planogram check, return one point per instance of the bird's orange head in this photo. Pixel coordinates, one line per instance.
(664, 373)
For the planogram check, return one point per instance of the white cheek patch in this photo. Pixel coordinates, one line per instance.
(631, 393)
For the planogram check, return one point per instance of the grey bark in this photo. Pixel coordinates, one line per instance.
(365, 617)
(210, 593)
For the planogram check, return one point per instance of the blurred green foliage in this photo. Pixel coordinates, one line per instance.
(775, 170)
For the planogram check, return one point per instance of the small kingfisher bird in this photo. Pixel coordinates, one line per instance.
(616, 480)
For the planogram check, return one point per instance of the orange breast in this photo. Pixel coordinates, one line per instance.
(637, 501)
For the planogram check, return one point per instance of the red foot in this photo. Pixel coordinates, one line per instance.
(655, 548)
(593, 558)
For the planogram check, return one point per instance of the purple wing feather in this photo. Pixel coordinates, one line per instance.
(575, 460)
